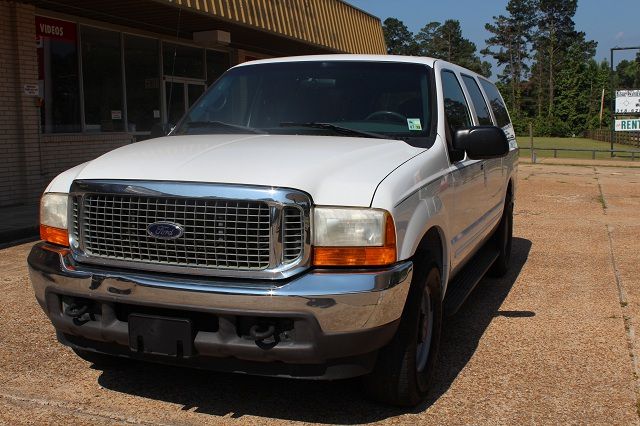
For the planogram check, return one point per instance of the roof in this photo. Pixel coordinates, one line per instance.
(330, 23)
(348, 57)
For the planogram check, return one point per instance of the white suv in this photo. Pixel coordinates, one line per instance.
(310, 217)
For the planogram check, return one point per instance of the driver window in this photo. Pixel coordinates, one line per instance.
(455, 104)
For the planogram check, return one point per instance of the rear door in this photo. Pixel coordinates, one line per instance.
(493, 168)
(497, 179)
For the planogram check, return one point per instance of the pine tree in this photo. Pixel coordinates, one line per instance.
(445, 41)
(400, 41)
(512, 36)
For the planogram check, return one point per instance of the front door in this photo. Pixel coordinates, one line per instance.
(469, 180)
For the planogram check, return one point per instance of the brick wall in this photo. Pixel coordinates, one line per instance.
(61, 152)
(29, 160)
(20, 177)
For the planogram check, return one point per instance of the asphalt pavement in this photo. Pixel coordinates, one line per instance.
(555, 341)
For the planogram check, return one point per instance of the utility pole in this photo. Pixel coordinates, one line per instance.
(601, 109)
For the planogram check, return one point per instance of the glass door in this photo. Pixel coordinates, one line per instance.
(194, 91)
(179, 95)
(174, 94)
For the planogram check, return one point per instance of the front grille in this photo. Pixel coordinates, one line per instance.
(293, 234)
(218, 234)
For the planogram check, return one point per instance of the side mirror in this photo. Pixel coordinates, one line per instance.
(481, 142)
(159, 130)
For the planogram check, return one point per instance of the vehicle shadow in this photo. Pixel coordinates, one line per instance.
(340, 402)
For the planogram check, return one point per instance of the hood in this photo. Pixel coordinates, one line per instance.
(333, 170)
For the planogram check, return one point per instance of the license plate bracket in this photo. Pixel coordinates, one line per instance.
(157, 335)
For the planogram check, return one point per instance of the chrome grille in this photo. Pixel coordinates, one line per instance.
(218, 234)
(75, 230)
(293, 234)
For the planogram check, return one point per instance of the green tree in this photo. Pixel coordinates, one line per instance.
(400, 41)
(509, 45)
(556, 34)
(627, 75)
(445, 41)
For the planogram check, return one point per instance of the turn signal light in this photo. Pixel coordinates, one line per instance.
(360, 256)
(54, 235)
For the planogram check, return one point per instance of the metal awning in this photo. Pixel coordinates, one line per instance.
(271, 26)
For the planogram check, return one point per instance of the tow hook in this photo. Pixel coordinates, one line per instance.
(264, 335)
(78, 313)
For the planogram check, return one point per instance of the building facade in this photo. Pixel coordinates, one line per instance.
(79, 78)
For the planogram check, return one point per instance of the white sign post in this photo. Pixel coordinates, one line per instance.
(628, 102)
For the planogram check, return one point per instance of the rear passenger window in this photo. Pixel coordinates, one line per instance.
(496, 102)
(479, 104)
(455, 105)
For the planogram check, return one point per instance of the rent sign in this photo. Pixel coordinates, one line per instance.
(628, 125)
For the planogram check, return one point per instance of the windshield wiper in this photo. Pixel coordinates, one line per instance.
(222, 125)
(337, 129)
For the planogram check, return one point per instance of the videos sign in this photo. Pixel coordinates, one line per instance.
(628, 102)
(55, 29)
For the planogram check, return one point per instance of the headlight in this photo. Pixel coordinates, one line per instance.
(53, 218)
(353, 237)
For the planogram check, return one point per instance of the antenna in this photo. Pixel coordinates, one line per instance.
(173, 65)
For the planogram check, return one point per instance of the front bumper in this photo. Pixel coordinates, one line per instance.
(329, 318)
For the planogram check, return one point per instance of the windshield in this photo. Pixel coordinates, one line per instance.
(367, 99)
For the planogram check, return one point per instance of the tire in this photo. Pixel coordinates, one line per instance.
(503, 239)
(404, 368)
(96, 358)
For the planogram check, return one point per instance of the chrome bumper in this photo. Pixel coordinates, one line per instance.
(341, 301)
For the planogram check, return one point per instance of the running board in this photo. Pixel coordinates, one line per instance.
(466, 280)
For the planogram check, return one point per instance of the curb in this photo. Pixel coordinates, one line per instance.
(17, 236)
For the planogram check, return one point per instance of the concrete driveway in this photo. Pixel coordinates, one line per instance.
(555, 341)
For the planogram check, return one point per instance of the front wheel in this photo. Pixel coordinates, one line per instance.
(405, 366)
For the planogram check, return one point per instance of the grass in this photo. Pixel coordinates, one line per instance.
(540, 144)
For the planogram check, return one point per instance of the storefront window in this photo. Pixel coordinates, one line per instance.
(116, 81)
(183, 61)
(217, 64)
(175, 101)
(141, 61)
(58, 75)
(102, 78)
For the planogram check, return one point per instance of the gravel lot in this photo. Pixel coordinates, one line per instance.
(555, 341)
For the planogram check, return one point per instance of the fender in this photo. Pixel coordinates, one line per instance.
(418, 194)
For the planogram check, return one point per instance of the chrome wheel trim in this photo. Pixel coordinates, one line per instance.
(425, 330)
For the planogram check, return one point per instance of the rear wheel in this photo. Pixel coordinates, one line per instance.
(405, 367)
(503, 240)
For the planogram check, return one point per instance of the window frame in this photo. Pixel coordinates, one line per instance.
(122, 31)
(495, 119)
(484, 99)
(462, 89)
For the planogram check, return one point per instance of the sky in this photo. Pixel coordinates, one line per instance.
(612, 23)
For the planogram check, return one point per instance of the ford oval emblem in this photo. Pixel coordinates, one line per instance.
(165, 230)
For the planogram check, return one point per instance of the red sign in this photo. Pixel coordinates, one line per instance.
(55, 29)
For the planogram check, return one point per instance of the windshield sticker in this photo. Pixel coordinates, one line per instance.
(414, 124)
